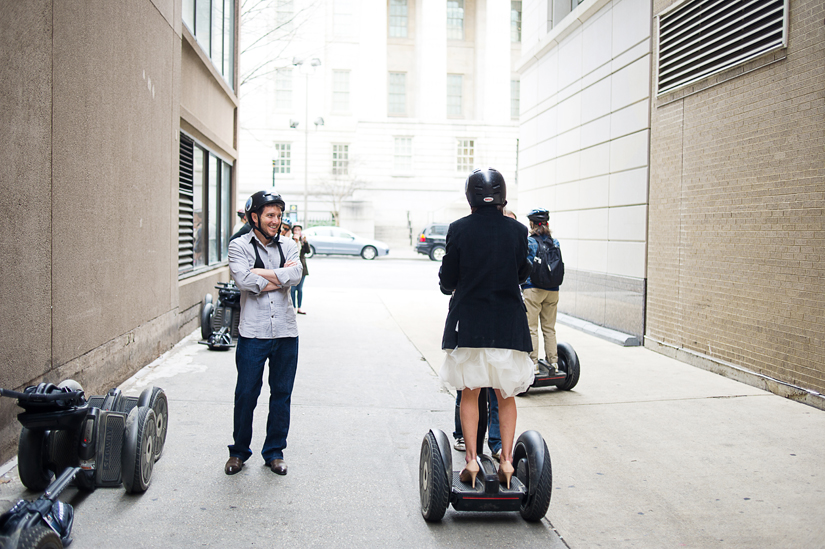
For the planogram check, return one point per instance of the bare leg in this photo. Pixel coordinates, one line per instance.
(469, 422)
(507, 423)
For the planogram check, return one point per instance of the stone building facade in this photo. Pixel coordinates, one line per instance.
(99, 275)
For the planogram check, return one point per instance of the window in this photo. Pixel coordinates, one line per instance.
(282, 163)
(702, 38)
(514, 98)
(558, 10)
(212, 22)
(340, 159)
(455, 19)
(340, 91)
(284, 12)
(398, 19)
(283, 89)
(204, 200)
(398, 93)
(342, 18)
(466, 150)
(515, 21)
(454, 88)
(402, 155)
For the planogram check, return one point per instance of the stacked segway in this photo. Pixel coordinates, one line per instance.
(113, 439)
(103, 441)
(219, 321)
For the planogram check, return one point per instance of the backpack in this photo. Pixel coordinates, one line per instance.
(548, 267)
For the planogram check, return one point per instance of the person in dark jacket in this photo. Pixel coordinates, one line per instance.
(486, 337)
(303, 246)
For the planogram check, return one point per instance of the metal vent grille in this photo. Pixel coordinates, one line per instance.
(186, 240)
(704, 37)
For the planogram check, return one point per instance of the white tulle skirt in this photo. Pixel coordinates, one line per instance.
(508, 370)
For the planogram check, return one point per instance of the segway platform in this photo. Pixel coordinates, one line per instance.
(530, 487)
(489, 494)
(565, 377)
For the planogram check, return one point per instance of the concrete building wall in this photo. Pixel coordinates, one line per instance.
(583, 150)
(90, 110)
(737, 191)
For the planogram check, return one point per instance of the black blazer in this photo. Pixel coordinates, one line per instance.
(486, 260)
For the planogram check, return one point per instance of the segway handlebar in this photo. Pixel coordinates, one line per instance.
(41, 397)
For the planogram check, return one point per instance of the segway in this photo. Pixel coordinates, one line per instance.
(113, 439)
(567, 375)
(45, 523)
(440, 486)
(219, 321)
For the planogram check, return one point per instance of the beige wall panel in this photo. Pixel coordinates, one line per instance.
(737, 224)
(206, 100)
(113, 84)
(25, 231)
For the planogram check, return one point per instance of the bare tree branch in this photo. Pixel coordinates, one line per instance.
(278, 38)
(335, 188)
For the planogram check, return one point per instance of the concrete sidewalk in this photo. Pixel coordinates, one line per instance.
(647, 452)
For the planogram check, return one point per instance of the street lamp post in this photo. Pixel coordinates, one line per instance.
(314, 63)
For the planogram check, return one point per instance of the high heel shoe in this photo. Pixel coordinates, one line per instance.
(505, 472)
(468, 474)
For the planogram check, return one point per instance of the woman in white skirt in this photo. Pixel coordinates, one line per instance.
(486, 337)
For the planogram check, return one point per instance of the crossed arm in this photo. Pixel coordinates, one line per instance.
(272, 279)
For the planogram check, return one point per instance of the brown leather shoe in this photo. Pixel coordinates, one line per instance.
(278, 466)
(233, 465)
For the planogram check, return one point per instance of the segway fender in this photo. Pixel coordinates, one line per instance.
(446, 454)
(534, 446)
(145, 397)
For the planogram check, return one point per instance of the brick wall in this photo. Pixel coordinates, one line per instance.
(736, 249)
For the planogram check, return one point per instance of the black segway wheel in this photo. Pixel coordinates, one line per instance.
(568, 362)
(39, 536)
(532, 462)
(155, 398)
(31, 459)
(138, 451)
(206, 318)
(433, 484)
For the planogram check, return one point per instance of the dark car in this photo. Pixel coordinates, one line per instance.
(433, 241)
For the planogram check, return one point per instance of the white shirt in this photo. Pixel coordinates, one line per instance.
(265, 315)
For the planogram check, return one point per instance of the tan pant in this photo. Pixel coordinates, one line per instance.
(542, 305)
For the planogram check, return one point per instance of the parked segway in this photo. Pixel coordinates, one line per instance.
(567, 375)
(440, 486)
(219, 322)
(113, 439)
(45, 523)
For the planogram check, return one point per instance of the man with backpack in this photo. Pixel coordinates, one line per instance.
(541, 290)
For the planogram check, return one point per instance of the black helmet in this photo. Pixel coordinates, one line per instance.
(539, 216)
(485, 187)
(263, 198)
(256, 203)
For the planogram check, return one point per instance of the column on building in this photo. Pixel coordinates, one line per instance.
(431, 60)
(371, 77)
(492, 45)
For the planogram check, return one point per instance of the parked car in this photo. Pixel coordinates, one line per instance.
(433, 241)
(338, 241)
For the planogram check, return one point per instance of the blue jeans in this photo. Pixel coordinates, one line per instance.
(494, 435)
(250, 357)
(297, 293)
